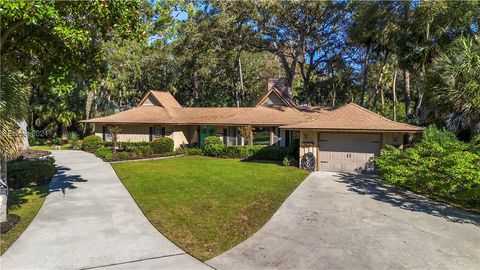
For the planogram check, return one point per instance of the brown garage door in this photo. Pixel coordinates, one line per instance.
(347, 152)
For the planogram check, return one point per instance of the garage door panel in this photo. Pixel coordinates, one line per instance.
(347, 152)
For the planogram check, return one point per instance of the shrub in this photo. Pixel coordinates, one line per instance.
(27, 172)
(73, 139)
(57, 141)
(286, 161)
(143, 150)
(241, 151)
(162, 145)
(439, 165)
(92, 143)
(104, 153)
(270, 153)
(190, 151)
(213, 146)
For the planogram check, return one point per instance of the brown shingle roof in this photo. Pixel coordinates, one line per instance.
(353, 117)
(143, 114)
(164, 98)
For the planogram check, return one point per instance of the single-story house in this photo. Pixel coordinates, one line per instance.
(334, 139)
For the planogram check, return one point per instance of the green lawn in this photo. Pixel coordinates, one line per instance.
(206, 205)
(49, 147)
(25, 203)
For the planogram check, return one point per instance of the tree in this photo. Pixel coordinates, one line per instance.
(455, 84)
(13, 107)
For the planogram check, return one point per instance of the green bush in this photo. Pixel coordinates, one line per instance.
(286, 161)
(190, 151)
(104, 153)
(143, 150)
(241, 151)
(439, 165)
(92, 143)
(27, 172)
(73, 139)
(162, 145)
(213, 146)
(270, 153)
(57, 141)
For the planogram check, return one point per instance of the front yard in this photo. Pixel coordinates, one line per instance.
(206, 205)
(25, 203)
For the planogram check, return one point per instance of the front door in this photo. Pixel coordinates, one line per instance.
(206, 131)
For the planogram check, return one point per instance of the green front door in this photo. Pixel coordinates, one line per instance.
(206, 131)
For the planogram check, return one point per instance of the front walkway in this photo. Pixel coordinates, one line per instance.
(89, 220)
(341, 221)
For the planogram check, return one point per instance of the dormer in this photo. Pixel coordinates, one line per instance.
(277, 94)
(159, 98)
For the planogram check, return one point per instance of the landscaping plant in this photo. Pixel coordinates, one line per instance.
(440, 166)
(73, 139)
(213, 146)
(162, 145)
(92, 143)
(25, 173)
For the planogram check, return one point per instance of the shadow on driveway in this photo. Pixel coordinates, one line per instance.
(63, 181)
(371, 186)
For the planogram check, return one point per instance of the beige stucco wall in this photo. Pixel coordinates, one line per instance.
(393, 139)
(308, 143)
(128, 133)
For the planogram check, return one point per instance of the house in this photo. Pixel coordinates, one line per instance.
(342, 139)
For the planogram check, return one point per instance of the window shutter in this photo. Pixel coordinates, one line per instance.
(150, 137)
(163, 131)
(104, 131)
(287, 137)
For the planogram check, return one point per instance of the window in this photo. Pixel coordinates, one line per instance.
(157, 131)
(261, 136)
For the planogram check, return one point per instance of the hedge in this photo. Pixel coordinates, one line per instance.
(213, 146)
(28, 172)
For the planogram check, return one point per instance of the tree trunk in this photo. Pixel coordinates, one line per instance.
(24, 133)
(64, 132)
(394, 92)
(418, 103)
(406, 82)
(240, 72)
(365, 76)
(3, 189)
(88, 108)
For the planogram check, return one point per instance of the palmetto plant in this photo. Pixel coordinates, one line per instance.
(456, 86)
(13, 107)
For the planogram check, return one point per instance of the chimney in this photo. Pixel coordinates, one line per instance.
(280, 84)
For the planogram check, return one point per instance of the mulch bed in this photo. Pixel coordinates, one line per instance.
(9, 224)
(32, 154)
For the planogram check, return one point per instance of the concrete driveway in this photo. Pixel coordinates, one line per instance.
(335, 221)
(88, 221)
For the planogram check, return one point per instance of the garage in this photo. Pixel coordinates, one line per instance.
(347, 152)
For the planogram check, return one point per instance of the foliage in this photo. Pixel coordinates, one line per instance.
(439, 165)
(286, 161)
(57, 141)
(24, 173)
(92, 143)
(162, 145)
(189, 199)
(240, 151)
(456, 86)
(213, 146)
(193, 151)
(13, 106)
(104, 153)
(270, 153)
(73, 140)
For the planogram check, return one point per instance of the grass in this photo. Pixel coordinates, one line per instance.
(49, 147)
(25, 203)
(206, 205)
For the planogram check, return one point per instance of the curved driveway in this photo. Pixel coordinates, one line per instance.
(340, 221)
(89, 220)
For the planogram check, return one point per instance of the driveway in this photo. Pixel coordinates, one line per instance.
(88, 221)
(341, 221)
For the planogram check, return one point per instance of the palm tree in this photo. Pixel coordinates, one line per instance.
(13, 108)
(456, 86)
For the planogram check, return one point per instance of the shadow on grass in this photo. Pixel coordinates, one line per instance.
(17, 197)
(62, 181)
(371, 186)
